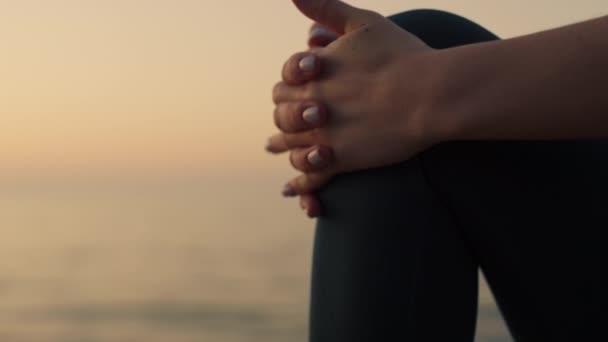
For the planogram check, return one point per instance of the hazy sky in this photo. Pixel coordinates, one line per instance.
(184, 84)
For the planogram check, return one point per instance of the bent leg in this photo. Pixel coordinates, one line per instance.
(532, 213)
(389, 264)
(389, 261)
(535, 214)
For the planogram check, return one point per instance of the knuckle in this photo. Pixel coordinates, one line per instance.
(296, 159)
(311, 91)
(319, 136)
(297, 183)
(290, 68)
(290, 140)
(287, 124)
(295, 117)
(277, 91)
(276, 116)
(292, 158)
(286, 73)
(303, 183)
(286, 117)
(315, 136)
(317, 181)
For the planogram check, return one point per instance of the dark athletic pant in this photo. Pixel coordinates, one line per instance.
(397, 252)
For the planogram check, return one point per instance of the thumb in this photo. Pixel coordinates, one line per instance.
(334, 14)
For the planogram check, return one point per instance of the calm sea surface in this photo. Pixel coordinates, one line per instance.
(208, 260)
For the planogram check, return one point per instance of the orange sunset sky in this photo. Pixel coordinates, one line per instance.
(173, 84)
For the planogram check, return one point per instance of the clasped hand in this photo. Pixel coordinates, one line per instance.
(357, 99)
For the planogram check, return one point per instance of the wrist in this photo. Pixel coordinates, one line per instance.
(441, 97)
(455, 92)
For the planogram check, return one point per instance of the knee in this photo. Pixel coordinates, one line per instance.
(422, 13)
(441, 29)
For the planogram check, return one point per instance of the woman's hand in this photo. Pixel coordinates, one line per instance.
(318, 36)
(360, 102)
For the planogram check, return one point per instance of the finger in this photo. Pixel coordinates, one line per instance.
(277, 144)
(320, 36)
(333, 14)
(300, 68)
(311, 205)
(311, 159)
(291, 117)
(283, 92)
(307, 183)
(283, 142)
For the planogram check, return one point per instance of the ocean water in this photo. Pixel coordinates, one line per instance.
(206, 260)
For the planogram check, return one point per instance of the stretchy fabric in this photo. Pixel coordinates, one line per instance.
(398, 250)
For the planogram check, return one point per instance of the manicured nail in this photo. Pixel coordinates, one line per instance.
(289, 191)
(314, 158)
(319, 31)
(307, 64)
(311, 115)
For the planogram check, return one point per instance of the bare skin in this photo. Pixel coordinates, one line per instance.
(347, 105)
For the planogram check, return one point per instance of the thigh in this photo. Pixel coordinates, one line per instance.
(389, 263)
(535, 214)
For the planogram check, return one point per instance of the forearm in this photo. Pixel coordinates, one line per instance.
(547, 85)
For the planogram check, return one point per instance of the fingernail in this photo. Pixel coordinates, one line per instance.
(314, 158)
(311, 115)
(319, 31)
(307, 64)
(289, 191)
(303, 206)
(268, 146)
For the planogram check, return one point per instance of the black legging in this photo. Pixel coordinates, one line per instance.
(397, 251)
